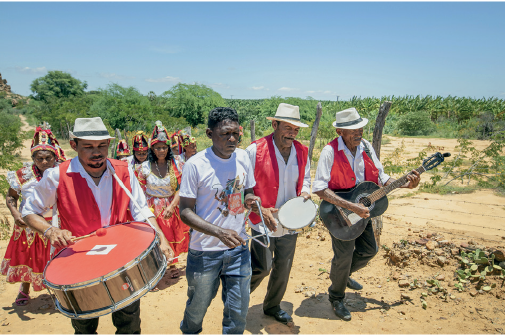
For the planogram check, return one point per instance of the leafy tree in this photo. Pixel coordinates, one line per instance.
(124, 108)
(11, 139)
(57, 84)
(191, 101)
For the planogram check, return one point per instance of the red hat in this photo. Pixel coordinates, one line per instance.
(139, 142)
(122, 148)
(44, 139)
(159, 134)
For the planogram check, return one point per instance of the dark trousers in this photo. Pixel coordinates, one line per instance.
(278, 258)
(348, 257)
(126, 321)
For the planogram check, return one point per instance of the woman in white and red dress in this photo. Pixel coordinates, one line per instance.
(160, 177)
(28, 252)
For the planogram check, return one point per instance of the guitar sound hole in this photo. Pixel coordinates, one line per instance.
(365, 201)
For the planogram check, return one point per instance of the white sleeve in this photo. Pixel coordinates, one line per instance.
(42, 197)
(306, 178)
(140, 197)
(383, 177)
(251, 151)
(189, 182)
(323, 171)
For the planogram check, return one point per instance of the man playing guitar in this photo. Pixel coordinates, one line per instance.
(342, 165)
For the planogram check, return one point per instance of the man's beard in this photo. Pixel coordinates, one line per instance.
(96, 165)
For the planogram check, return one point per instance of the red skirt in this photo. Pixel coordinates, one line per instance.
(176, 232)
(26, 257)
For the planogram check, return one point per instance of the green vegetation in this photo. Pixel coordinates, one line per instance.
(57, 84)
(11, 139)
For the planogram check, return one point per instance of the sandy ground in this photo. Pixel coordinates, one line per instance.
(377, 309)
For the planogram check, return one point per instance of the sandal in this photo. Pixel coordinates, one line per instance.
(155, 289)
(22, 301)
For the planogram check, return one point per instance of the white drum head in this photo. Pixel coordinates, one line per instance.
(297, 213)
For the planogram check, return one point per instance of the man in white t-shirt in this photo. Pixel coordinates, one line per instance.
(216, 184)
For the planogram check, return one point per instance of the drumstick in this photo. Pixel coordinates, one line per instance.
(99, 233)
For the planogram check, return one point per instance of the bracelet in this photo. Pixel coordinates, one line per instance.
(49, 228)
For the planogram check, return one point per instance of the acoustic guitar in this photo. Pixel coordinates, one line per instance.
(344, 224)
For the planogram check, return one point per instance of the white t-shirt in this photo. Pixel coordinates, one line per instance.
(218, 186)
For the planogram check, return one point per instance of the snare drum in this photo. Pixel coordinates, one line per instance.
(99, 275)
(297, 213)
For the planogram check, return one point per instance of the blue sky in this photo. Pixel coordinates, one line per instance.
(259, 50)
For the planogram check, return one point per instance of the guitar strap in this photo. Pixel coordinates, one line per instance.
(369, 153)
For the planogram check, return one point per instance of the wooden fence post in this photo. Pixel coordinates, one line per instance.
(379, 125)
(376, 144)
(315, 126)
(253, 135)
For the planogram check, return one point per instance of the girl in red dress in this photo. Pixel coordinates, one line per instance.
(28, 252)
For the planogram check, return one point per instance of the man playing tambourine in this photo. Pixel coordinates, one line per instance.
(88, 198)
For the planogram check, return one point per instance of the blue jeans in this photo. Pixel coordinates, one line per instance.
(203, 272)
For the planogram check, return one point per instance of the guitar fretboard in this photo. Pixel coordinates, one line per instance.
(378, 194)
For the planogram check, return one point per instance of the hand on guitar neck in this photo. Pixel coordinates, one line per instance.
(343, 212)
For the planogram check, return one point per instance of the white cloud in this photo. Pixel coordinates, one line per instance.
(163, 80)
(311, 92)
(327, 92)
(256, 88)
(219, 86)
(167, 49)
(287, 89)
(109, 75)
(29, 70)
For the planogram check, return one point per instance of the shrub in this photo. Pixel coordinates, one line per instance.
(415, 123)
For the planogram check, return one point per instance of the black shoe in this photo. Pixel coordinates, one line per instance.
(281, 316)
(353, 284)
(340, 310)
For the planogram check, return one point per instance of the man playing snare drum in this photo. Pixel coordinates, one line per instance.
(282, 171)
(88, 198)
(345, 162)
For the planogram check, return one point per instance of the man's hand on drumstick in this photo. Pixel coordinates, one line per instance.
(270, 222)
(59, 238)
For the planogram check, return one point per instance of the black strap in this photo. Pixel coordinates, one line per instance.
(367, 150)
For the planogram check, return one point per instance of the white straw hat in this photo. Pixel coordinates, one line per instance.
(288, 113)
(90, 129)
(349, 119)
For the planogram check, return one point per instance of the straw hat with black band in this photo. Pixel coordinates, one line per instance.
(349, 119)
(289, 114)
(90, 129)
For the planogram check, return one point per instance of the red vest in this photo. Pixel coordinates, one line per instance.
(342, 176)
(266, 172)
(77, 207)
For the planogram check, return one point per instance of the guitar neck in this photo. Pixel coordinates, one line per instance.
(378, 194)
